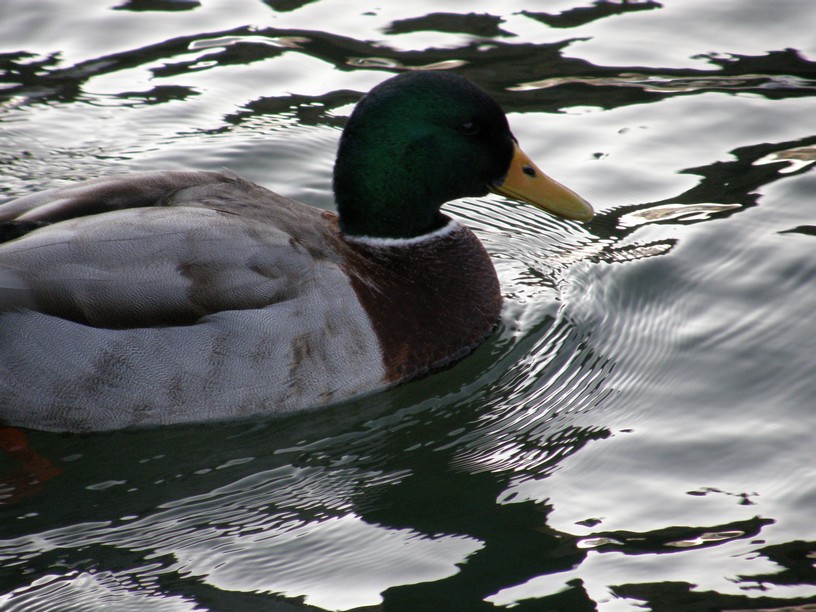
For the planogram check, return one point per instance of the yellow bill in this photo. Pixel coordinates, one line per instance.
(525, 182)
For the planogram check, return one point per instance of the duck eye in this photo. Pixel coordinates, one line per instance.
(469, 128)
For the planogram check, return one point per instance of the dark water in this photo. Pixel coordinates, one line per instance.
(639, 432)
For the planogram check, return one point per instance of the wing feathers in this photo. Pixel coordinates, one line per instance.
(207, 243)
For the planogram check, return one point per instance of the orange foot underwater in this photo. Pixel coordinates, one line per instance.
(28, 478)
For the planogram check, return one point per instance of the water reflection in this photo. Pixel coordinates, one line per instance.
(795, 560)
(582, 15)
(409, 520)
(530, 85)
(440, 493)
(158, 5)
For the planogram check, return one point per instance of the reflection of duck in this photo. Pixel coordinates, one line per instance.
(167, 297)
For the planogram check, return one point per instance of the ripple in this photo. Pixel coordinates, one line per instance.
(91, 590)
(667, 212)
(548, 369)
(282, 42)
(656, 83)
(797, 158)
(235, 539)
(686, 322)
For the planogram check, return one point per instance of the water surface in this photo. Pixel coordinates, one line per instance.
(637, 433)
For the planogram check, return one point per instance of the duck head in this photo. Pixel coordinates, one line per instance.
(421, 139)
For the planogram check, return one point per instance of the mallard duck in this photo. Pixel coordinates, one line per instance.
(168, 297)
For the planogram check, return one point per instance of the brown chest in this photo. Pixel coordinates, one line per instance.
(430, 303)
